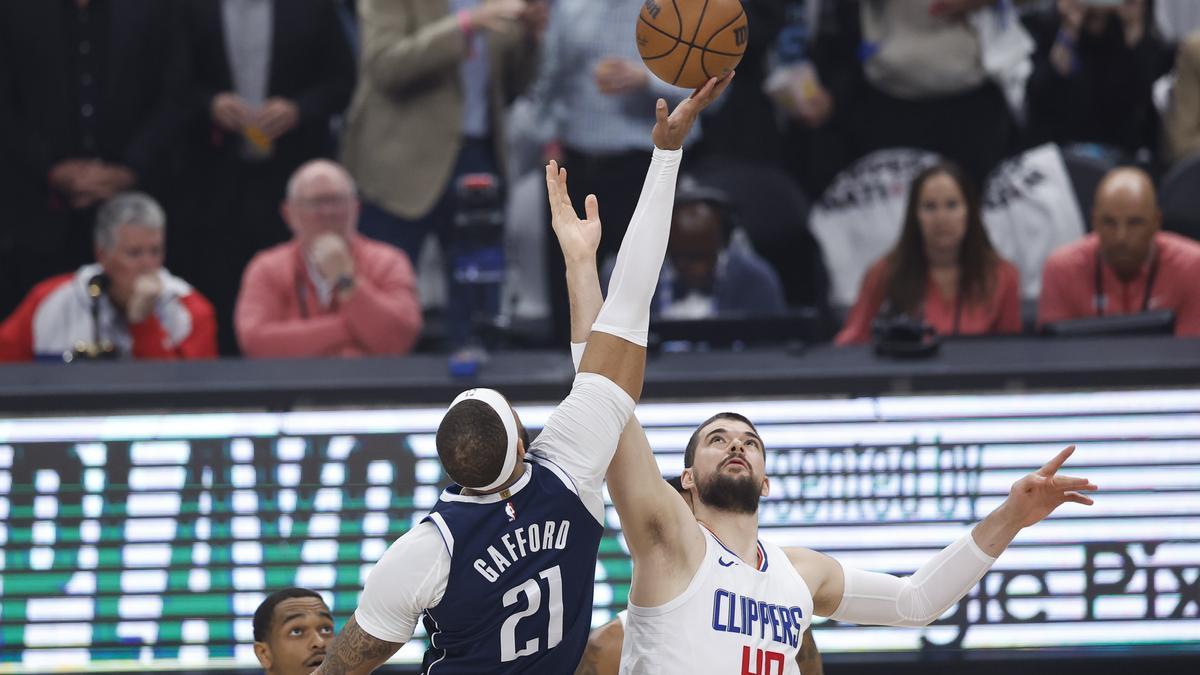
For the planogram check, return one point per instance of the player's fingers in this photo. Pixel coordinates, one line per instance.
(1068, 482)
(723, 84)
(592, 206)
(660, 111)
(1078, 498)
(1051, 467)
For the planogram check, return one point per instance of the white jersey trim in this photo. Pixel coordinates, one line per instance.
(444, 530)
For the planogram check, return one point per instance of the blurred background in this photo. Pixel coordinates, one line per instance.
(249, 249)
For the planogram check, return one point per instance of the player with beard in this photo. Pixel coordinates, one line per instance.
(603, 653)
(708, 596)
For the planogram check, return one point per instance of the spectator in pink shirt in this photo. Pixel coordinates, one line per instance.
(329, 291)
(1127, 265)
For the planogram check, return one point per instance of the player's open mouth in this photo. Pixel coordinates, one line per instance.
(314, 661)
(737, 462)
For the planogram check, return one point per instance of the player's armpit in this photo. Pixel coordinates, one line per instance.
(822, 574)
(659, 528)
(354, 652)
(808, 658)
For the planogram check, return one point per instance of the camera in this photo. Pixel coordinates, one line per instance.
(904, 336)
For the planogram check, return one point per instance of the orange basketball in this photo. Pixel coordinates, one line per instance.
(685, 42)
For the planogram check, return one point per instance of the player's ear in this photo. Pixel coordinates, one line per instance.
(687, 480)
(766, 487)
(263, 651)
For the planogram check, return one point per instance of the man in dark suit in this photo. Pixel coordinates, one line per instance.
(87, 110)
(267, 80)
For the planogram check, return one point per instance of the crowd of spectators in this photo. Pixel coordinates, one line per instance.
(304, 152)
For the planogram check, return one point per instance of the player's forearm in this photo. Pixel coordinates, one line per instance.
(808, 658)
(583, 292)
(356, 652)
(994, 533)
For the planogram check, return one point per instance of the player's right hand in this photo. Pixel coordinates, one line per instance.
(670, 130)
(578, 238)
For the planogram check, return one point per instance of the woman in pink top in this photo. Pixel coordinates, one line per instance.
(943, 270)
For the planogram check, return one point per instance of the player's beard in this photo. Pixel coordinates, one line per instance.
(736, 494)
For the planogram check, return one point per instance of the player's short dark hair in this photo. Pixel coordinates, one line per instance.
(265, 614)
(689, 453)
(677, 483)
(472, 443)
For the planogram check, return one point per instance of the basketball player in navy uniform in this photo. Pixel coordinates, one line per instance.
(707, 596)
(502, 570)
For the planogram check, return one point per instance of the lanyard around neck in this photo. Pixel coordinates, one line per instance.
(1098, 301)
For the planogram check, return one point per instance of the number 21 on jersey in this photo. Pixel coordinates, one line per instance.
(532, 590)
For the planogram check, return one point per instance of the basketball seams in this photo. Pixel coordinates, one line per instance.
(644, 22)
(678, 42)
(660, 50)
(695, 33)
(705, 50)
(718, 32)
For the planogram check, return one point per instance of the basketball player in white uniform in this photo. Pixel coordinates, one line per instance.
(708, 596)
(603, 653)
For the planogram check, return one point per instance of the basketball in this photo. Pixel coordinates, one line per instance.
(686, 42)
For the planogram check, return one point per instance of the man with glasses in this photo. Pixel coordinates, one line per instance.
(329, 291)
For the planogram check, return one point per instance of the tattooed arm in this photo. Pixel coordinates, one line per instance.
(808, 658)
(354, 652)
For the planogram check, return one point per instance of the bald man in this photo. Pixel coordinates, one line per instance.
(1127, 264)
(329, 291)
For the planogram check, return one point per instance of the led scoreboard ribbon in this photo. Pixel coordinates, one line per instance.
(151, 539)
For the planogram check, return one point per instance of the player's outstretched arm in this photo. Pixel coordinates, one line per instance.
(354, 652)
(857, 596)
(617, 345)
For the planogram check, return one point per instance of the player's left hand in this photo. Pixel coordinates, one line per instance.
(578, 238)
(670, 130)
(1037, 495)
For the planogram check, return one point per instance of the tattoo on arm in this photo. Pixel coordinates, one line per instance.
(808, 658)
(354, 651)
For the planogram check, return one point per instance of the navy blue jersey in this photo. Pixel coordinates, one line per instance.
(518, 596)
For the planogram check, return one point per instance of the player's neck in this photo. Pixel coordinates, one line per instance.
(517, 473)
(737, 531)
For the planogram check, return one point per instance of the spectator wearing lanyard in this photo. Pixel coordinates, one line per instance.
(942, 270)
(1126, 265)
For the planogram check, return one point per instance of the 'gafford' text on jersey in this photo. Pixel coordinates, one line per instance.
(522, 570)
(733, 619)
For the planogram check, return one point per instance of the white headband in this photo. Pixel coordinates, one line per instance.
(496, 402)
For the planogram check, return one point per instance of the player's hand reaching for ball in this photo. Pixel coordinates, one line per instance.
(670, 130)
(578, 238)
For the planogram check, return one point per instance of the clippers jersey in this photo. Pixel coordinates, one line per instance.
(518, 597)
(732, 619)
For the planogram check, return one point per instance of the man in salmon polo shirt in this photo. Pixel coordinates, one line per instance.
(329, 291)
(1127, 264)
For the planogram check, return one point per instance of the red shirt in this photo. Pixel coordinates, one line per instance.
(1069, 283)
(58, 313)
(1001, 313)
(280, 314)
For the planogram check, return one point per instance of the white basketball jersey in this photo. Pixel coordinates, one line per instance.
(733, 619)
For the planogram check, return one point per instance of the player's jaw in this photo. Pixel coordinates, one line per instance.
(732, 486)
